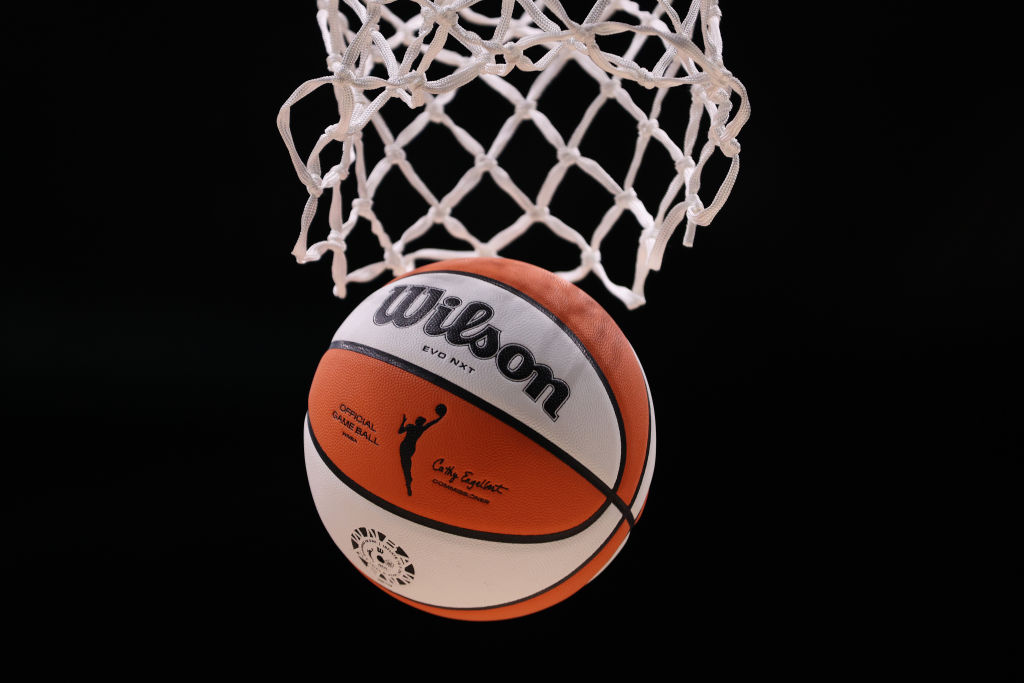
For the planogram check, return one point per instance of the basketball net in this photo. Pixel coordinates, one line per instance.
(375, 55)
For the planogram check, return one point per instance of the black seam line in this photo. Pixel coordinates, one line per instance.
(441, 526)
(571, 574)
(493, 410)
(579, 343)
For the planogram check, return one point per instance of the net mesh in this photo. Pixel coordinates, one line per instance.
(424, 53)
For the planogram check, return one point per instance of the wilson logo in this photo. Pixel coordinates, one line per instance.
(408, 305)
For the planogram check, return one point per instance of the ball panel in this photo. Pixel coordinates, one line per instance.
(446, 571)
(382, 427)
(598, 332)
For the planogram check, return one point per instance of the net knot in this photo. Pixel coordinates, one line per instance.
(414, 80)
(315, 185)
(646, 128)
(525, 108)
(569, 155)
(539, 214)
(718, 96)
(334, 62)
(335, 131)
(512, 54)
(684, 166)
(363, 206)
(486, 162)
(583, 37)
(695, 205)
(625, 198)
(435, 110)
(394, 153)
(729, 145)
(610, 87)
(589, 258)
(337, 239)
(443, 17)
(439, 213)
(343, 75)
(646, 78)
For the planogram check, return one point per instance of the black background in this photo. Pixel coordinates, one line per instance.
(835, 365)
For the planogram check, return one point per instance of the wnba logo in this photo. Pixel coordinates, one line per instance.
(515, 361)
(383, 558)
(413, 431)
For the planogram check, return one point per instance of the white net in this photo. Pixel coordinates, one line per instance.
(425, 53)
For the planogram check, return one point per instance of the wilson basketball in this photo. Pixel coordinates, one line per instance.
(480, 438)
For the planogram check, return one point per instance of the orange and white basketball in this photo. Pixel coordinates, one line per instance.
(480, 438)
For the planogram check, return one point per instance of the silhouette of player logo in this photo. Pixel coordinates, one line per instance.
(413, 432)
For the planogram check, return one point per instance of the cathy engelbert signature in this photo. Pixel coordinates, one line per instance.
(466, 478)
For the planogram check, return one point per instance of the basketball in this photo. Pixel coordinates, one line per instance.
(480, 438)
